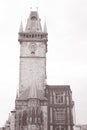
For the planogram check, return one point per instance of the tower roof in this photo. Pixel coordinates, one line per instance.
(33, 30)
(33, 23)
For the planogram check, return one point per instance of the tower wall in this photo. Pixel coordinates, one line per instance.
(39, 49)
(31, 114)
(32, 73)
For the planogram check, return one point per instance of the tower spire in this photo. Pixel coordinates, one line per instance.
(36, 46)
(33, 22)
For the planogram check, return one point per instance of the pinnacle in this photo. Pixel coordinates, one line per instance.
(21, 27)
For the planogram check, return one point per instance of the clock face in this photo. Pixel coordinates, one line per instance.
(32, 47)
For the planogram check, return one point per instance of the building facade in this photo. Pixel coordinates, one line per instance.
(39, 106)
(60, 104)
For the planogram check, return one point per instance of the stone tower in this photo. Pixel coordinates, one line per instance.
(39, 106)
(33, 50)
(31, 103)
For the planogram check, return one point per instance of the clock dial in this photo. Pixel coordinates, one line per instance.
(32, 47)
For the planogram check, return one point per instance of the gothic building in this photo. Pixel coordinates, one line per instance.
(39, 106)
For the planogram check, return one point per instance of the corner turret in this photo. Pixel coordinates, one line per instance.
(45, 28)
(21, 27)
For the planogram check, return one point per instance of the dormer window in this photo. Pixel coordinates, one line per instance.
(32, 52)
(33, 18)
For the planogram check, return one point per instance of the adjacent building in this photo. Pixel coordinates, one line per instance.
(60, 104)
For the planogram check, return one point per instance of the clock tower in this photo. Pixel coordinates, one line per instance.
(39, 106)
(33, 48)
(31, 103)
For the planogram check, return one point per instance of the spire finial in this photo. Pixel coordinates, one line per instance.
(21, 27)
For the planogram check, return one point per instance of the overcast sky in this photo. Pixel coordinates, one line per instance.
(67, 49)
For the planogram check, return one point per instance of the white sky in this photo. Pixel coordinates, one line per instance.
(67, 49)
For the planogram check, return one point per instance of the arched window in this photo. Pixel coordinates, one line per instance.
(32, 35)
(24, 118)
(20, 117)
(33, 18)
(27, 36)
(41, 117)
(33, 115)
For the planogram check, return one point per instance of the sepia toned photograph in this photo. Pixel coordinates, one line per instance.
(43, 65)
